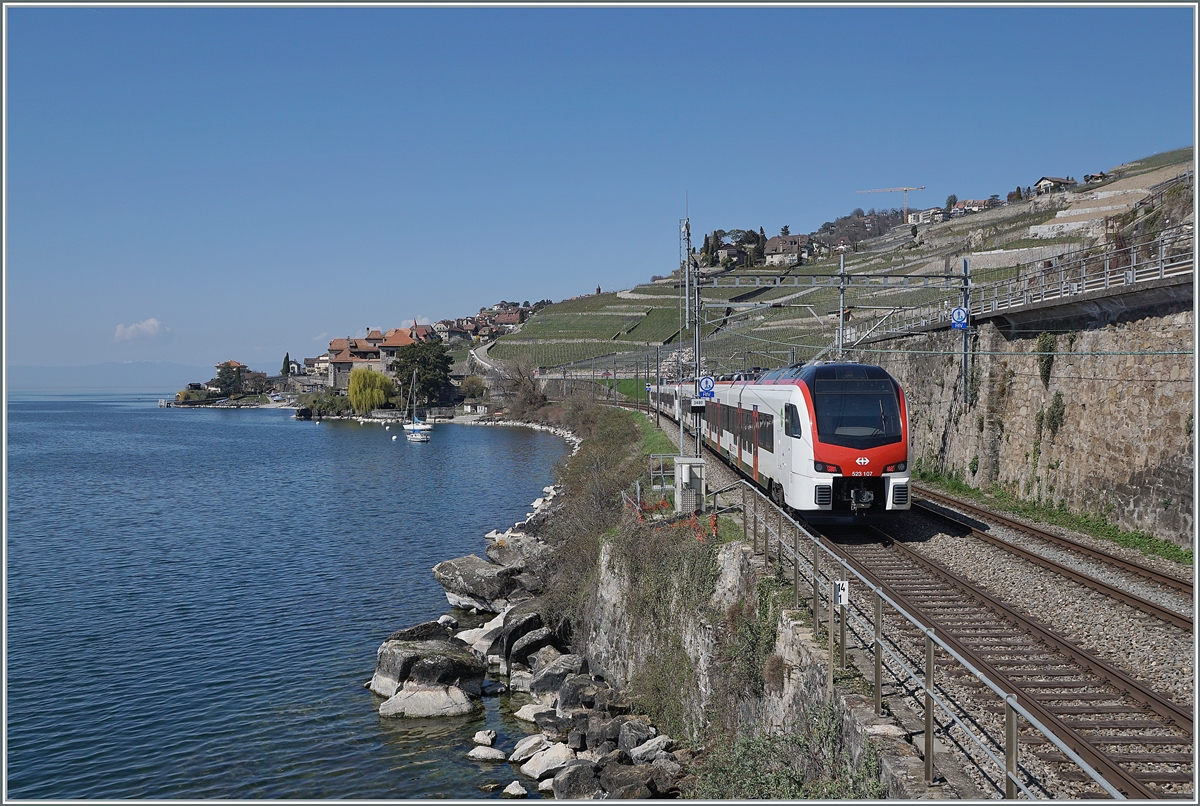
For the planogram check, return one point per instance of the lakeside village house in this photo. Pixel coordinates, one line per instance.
(377, 350)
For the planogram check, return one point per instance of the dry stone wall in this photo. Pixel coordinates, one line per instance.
(1119, 444)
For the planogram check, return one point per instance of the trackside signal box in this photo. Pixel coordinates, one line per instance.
(689, 484)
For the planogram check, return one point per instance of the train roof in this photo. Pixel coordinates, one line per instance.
(819, 370)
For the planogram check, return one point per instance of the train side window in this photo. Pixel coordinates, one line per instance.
(791, 422)
(766, 432)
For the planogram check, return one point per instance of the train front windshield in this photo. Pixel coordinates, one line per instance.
(857, 413)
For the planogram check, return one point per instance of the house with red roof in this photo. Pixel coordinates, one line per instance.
(237, 366)
(348, 353)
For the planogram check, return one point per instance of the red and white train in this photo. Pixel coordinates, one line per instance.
(827, 439)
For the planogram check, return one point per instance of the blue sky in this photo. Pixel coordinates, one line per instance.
(190, 185)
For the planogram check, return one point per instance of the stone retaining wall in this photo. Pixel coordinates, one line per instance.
(1124, 447)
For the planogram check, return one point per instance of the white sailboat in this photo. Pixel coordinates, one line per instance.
(415, 431)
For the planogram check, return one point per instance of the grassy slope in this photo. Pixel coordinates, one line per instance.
(614, 323)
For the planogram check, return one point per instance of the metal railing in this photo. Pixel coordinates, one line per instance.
(1170, 255)
(757, 519)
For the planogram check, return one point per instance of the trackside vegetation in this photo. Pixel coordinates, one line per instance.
(1042, 511)
(669, 571)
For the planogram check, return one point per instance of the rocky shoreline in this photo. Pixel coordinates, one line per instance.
(589, 743)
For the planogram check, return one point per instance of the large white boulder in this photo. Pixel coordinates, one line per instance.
(645, 752)
(530, 712)
(548, 762)
(487, 754)
(418, 700)
(441, 662)
(514, 790)
(528, 747)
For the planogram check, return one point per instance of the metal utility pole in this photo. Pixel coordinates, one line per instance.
(695, 266)
(685, 242)
(657, 388)
(841, 302)
(966, 339)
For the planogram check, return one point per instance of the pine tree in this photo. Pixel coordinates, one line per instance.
(287, 364)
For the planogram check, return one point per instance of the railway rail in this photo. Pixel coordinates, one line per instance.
(1168, 581)
(1087, 702)
(1086, 728)
(1168, 615)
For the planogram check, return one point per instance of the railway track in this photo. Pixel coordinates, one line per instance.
(1139, 739)
(1167, 581)
(1169, 615)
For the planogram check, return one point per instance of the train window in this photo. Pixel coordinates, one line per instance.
(857, 413)
(791, 421)
(766, 432)
(747, 429)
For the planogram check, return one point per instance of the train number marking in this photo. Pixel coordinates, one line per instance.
(862, 473)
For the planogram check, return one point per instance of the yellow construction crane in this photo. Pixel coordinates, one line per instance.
(894, 190)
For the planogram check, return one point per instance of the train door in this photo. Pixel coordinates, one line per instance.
(715, 425)
(754, 431)
(783, 447)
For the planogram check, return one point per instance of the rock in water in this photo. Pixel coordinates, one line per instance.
(474, 582)
(528, 747)
(520, 680)
(530, 712)
(548, 761)
(514, 790)
(487, 738)
(417, 700)
(480, 639)
(487, 754)
(442, 663)
(427, 631)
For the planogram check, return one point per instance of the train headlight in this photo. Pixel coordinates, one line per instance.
(822, 467)
(899, 467)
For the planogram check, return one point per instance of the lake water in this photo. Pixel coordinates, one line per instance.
(195, 597)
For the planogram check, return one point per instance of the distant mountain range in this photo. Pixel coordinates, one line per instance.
(136, 376)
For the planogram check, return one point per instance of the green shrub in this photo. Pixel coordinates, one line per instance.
(1055, 414)
(1045, 349)
(325, 404)
(811, 762)
(998, 498)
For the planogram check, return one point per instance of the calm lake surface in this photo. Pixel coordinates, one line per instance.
(195, 597)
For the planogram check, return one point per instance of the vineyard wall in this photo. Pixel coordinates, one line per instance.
(1102, 426)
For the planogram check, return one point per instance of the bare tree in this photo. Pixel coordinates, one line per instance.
(518, 387)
